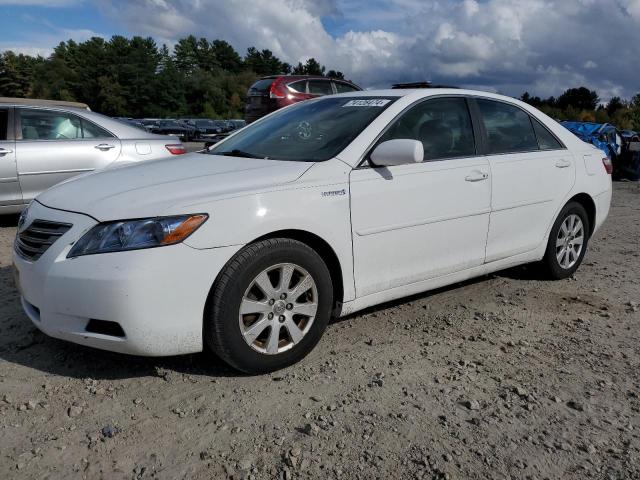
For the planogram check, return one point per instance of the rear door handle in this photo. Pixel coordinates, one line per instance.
(476, 176)
(4, 151)
(563, 163)
(104, 147)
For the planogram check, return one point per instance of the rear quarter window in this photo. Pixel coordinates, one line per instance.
(91, 130)
(546, 140)
(320, 87)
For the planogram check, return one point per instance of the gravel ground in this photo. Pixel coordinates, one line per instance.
(506, 376)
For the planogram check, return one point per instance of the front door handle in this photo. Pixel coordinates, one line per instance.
(5, 151)
(563, 163)
(476, 176)
(104, 147)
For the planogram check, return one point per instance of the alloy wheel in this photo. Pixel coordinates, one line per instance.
(278, 308)
(570, 241)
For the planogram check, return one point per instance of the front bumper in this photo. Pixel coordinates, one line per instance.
(156, 295)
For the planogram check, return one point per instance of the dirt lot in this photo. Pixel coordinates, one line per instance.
(503, 377)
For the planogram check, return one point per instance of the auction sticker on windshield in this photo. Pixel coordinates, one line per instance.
(371, 102)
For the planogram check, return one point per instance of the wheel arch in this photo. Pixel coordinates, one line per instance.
(589, 205)
(323, 248)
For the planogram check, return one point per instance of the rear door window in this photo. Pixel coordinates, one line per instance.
(509, 129)
(342, 87)
(320, 87)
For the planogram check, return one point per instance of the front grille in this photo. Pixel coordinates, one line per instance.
(35, 240)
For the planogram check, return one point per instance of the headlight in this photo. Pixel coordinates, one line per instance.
(136, 234)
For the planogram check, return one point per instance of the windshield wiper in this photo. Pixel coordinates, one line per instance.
(237, 153)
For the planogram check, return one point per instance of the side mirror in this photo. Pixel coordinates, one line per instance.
(397, 152)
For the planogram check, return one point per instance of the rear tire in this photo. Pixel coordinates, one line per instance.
(269, 306)
(567, 243)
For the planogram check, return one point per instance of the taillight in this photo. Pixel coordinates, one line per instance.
(608, 165)
(176, 149)
(277, 90)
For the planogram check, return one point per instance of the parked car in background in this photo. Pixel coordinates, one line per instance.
(173, 128)
(271, 93)
(203, 126)
(133, 122)
(324, 208)
(43, 143)
(236, 124)
(604, 136)
(620, 146)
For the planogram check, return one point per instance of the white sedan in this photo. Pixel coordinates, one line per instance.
(320, 209)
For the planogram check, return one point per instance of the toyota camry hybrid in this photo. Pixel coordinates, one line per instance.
(320, 209)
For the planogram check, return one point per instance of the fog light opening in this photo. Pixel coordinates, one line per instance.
(104, 327)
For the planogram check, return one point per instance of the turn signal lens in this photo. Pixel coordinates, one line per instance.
(608, 165)
(183, 230)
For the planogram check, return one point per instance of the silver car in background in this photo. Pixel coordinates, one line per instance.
(43, 142)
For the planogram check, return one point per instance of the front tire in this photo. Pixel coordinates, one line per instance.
(567, 243)
(269, 306)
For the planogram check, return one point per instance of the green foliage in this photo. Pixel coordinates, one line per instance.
(312, 67)
(133, 77)
(265, 63)
(582, 104)
(579, 98)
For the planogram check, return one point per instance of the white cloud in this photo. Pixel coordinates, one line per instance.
(543, 46)
(25, 49)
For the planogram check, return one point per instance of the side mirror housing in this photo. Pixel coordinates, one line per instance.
(397, 152)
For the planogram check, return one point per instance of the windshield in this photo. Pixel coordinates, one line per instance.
(311, 131)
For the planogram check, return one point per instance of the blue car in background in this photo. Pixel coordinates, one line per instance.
(603, 135)
(621, 147)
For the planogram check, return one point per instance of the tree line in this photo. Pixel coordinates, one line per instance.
(137, 78)
(134, 77)
(582, 104)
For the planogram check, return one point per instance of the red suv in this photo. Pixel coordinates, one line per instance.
(271, 93)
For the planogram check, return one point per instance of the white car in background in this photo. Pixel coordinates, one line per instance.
(43, 142)
(323, 208)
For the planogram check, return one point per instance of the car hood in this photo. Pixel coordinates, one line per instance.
(154, 188)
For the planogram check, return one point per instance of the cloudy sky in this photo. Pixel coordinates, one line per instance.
(509, 46)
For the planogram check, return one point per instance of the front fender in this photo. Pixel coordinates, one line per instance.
(317, 206)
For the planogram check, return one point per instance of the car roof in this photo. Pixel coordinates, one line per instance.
(293, 78)
(429, 92)
(34, 102)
